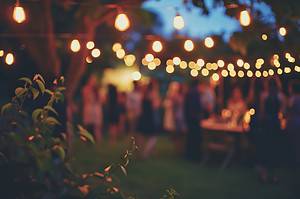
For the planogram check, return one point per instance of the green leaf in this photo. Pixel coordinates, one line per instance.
(27, 80)
(61, 88)
(19, 91)
(123, 170)
(35, 92)
(36, 114)
(60, 151)
(52, 121)
(6, 107)
(41, 85)
(83, 132)
(50, 108)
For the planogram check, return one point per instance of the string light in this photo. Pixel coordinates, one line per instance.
(279, 71)
(200, 62)
(1, 53)
(224, 73)
(157, 61)
(194, 73)
(19, 13)
(257, 73)
(240, 62)
(232, 73)
(75, 45)
(287, 70)
(192, 64)
(151, 66)
(282, 31)
(230, 67)
(116, 47)
(129, 59)
(205, 72)
(264, 37)
(170, 69)
(215, 77)
(88, 60)
(149, 57)
(90, 45)
(122, 22)
(209, 42)
(249, 73)
(246, 66)
(183, 65)
(176, 60)
(245, 18)
(189, 45)
(297, 69)
(241, 73)
(96, 52)
(178, 22)
(120, 53)
(157, 46)
(221, 63)
(9, 59)
(136, 76)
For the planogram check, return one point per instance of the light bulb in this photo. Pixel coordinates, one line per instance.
(245, 18)
(178, 22)
(122, 22)
(157, 46)
(9, 59)
(136, 75)
(282, 31)
(19, 14)
(75, 45)
(209, 42)
(149, 57)
(96, 52)
(189, 45)
(90, 45)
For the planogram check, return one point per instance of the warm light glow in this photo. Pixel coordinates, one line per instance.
(157, 61)
(120, 53)
(176, 60)
(149, 57)
(287, 69)
(151, 66)
(297, 69)
(178, 22)
(189, 45)
(241, 74)
(271, 72)
(205, 72)
(246, 65)
(282, 31)
(75, 45)
(192, 65)
(245, 19)
(257, 73)
(249, 73)
(200, 62)
(265, 73)
(169, 62)
(215, 77)
(230, 67)
(136, 76)
(279, 71)
(96, 52)
(194, 73)
(90, 45)
(287, 55)
(129, 60)
(116, 47)
(157, 46)
(224, 73)
(264, 37)
(240, 62)
(170, 69)
(1, 53)
(252, 111)
(122, 22)
(232, 73)
(209, 42)
(183, 65)
(221, 63)
(88, 60)
(9, 59)
(19, 14)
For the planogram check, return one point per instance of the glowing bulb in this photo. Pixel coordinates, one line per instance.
(1, 53)
(252, 111)
(194, 73)
(129, 60)
(200, 62)
(176, 60)
(157, 46)
(157, 61)
(183, 65)
(249, 73)
(209, 42)
(240, 62)
(240, 74)
(192, 65)
(282, 31)
(122, 22)
(264, 37)
(116, 47)
(230, 67)
(215, 77)
(279, 71)
(170, 69)
(19, 14)
(189, 45)
(88, 60)
(224, 73)
(297, 69)
(246, 65)
(287, 69)
(9, 59)
(271, 72)
(257, 73)
(151, 66)
(245, 19)
(169, 62)
(96, 52)
(90, 45)
(221, 63)
(120, 53)
(149, 57)
(75, 45)
(136, 76)
(232, 73)
(265, 74)
(178, 22)
(205, 72)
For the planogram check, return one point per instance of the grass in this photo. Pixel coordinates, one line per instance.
(147, 179)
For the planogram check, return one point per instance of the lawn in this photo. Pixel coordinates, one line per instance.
(147, 179)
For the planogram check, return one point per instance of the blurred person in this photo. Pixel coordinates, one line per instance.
(193, 116)
(122, 111)
(113, 113)
(147, 123)
(133, 106)
(92, 107)
(236, 104)
(208, 98)
(169, 108)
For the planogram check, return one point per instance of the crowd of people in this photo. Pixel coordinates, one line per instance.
(145, 112)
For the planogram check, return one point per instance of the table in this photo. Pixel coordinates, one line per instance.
(231, 135)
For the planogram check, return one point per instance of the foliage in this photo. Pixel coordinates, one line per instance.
(34, 159)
